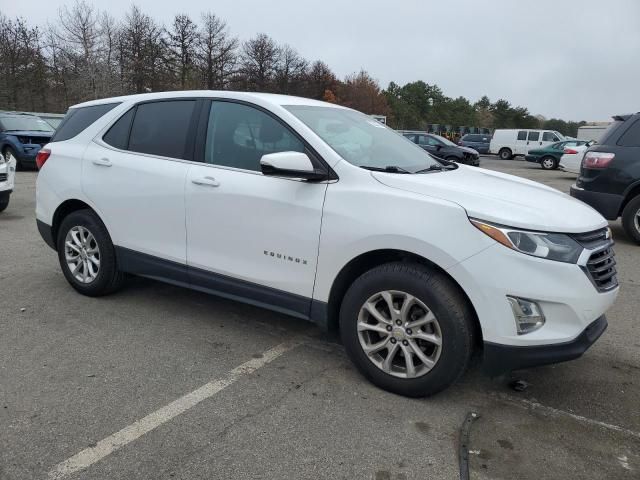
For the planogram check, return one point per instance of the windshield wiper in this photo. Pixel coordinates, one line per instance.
(438, 168)
(387, 169)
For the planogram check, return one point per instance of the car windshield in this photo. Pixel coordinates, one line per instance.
(25, 122)
(363, 141)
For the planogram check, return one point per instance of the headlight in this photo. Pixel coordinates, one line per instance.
(552, 246)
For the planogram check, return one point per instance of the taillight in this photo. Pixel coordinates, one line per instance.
(570, 151)
(42, 156)
(597, 160)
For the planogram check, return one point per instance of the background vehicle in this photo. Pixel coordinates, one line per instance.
(571, 159)
(443, 148)
(237, 185)
(549, 156)
(592, 133)
(7, 178)
(476, 141)
(508, 143)
(609, 178)
(21, 136)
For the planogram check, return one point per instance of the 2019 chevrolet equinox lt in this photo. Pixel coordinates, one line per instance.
(320, 212)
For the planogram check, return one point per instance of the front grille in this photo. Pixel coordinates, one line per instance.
(3, 177)
(601, 265)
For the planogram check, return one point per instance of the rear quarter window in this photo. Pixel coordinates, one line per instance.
(78, 119)
(631, 136)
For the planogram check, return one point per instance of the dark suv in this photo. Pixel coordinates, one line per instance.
(22, 136)
(480, 143)
(443, 148)
(609, 178)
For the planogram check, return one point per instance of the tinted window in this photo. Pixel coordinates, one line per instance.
(534, 136)
(631, 138)
(522, 135)
(161, 128)
(238, 136)
(77, 119)
(549, 137)
(410, 136)
(427, 140)
(472, 138)
(118, 135)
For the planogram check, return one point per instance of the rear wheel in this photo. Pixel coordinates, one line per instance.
(631, 219)
(549, 163)
(4, 200)
(407, 328)
(505, 154)
(87, 256)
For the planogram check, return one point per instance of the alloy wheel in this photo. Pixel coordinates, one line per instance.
(547, 163)
(399, 334)
(636, 221)
(82, 254)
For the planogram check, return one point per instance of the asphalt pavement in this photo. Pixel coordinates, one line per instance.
(159, 382)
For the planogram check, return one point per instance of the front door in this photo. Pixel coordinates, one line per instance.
(250, 235)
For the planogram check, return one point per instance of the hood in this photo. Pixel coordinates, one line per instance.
(467, 149)
(501, 198)
(29, 133)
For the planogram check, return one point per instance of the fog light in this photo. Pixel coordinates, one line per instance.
(527, 313)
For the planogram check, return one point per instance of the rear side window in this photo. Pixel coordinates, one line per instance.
(631, 137)
(78, 119)
(118, 135)
(534, 136)
(472, 138)
(161, 128)
(522, 135)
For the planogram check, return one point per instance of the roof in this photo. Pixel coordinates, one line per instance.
(248, 96)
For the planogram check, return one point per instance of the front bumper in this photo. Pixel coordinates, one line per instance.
(607, 204)
(499, 359)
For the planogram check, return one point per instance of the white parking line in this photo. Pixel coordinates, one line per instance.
(89, 456)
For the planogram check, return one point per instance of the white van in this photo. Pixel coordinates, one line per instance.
(508, 143)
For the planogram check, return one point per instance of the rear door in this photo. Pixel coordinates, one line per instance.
(135, 176)
(521, 146)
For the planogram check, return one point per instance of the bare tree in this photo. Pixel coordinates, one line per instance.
(320, 79)
(260, 57)
(290, 71)
(183, 37)
(216, 52)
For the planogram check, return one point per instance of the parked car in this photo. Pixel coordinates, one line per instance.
(571, 159)
(509, 143)
(443, 148)
(21, 136)
(609, 178)
(549, 156)
(419, 262)
(476, 141)
(7, 179)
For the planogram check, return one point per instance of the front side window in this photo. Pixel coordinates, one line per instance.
(161, 128)
(534, 136)
(549, 137)
(239, 135)
(522, 135)
(78, 119)
(362, 141)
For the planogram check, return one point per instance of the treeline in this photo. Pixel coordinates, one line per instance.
(87, 54)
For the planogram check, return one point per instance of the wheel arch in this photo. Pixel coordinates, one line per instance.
(64, 209)
(633, 192)
(371, 259)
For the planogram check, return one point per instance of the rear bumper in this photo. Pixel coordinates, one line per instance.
(46, 233)
(532, 158)
(607, 204)
(500, 359)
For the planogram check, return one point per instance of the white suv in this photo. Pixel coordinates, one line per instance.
(7, 179)
(323, 213)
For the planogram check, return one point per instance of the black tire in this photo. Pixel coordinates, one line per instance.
(551, 163)
(505, 154)
(439, 293)
(109, 278)
(4, 201)
(631, 219)
(9, 150)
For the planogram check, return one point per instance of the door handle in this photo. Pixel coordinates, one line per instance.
(102, 162)
(206, 181)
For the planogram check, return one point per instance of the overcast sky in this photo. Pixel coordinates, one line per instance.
(573, 59)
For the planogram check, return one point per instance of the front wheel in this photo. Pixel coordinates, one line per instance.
(87, 256)
(4, 201)
(407, 328)
(631, 219)
(549, 163)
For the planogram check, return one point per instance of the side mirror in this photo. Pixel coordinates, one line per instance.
(290, 165)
